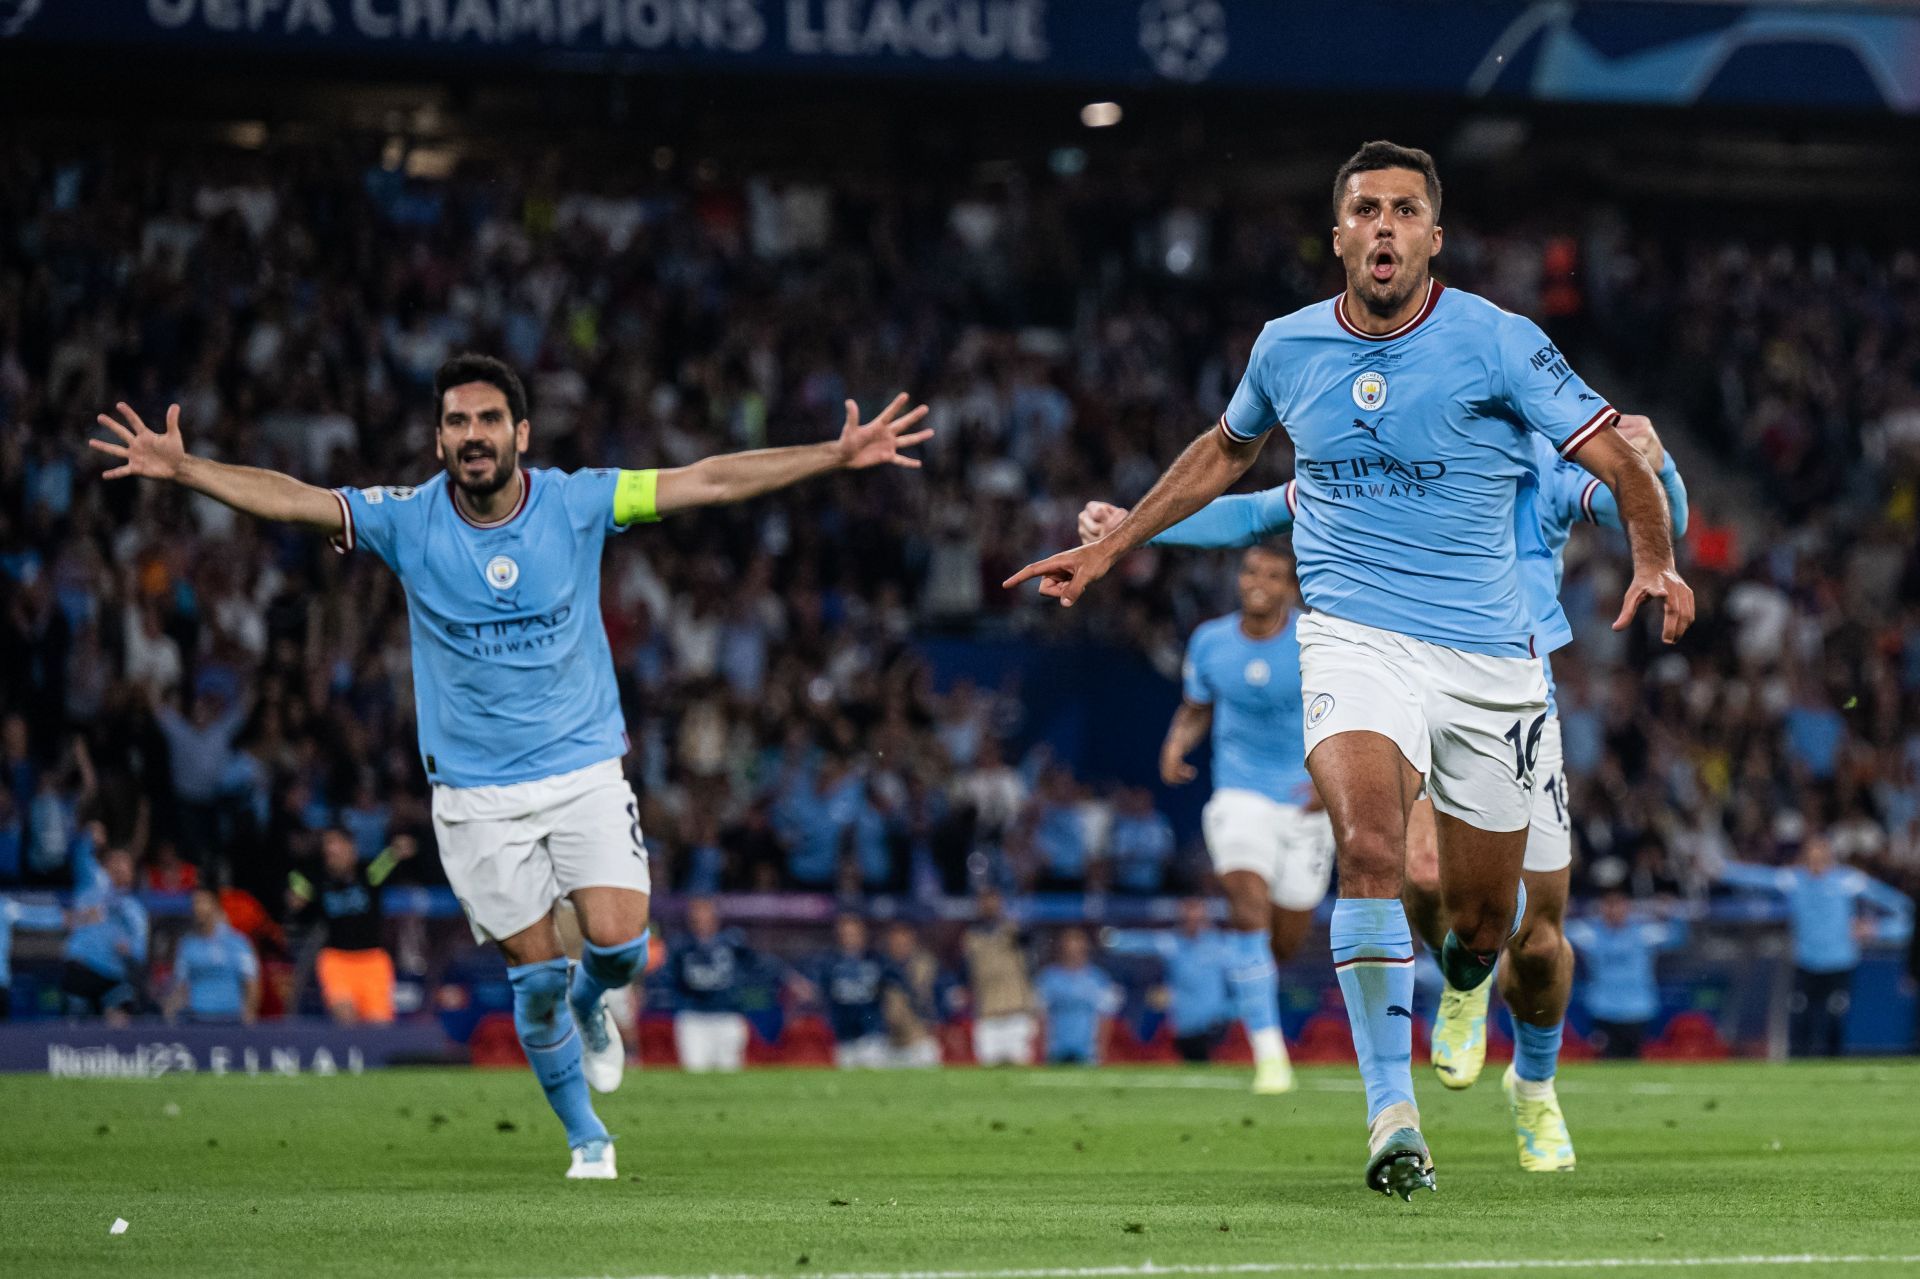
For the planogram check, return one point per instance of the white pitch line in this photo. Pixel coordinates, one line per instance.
(1148, 1269)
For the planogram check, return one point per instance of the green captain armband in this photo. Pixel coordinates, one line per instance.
(634, 497)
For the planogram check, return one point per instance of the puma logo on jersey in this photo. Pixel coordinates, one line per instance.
(1372, 431)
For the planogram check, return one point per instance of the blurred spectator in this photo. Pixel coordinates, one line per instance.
(167, 872)
(1141, 843)
(354, 968)
(106, 951)
(705, 971)
(1617, 954)
(1000, 996)
(14, 915)
(1196, 958)
(916, 1000)
(1824, 902)
(1057, 828)
(216, 975)
(1077, 997)
(849, 981)
(200, 755)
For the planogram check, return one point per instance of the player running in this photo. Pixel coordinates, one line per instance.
(1270, 841)
(1537, 978)
(521, 730)
(1409, 406)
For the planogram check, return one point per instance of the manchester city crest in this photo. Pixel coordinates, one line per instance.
(1258, 672)
(1318, 709)
(502, 572)
(1370, 390)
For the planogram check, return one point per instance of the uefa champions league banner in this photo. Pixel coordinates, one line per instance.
(1632, 51)
(93, 1051)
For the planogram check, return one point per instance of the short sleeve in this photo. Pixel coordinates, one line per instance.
(589, 497)
(1544, 392)
(376, 518)
(1193, 679)
(1254, 409)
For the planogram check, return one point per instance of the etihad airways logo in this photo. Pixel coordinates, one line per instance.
(1375, 476)
(526, 634)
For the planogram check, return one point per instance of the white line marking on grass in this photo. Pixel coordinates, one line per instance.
(1148, 1269)
(1304, 1083)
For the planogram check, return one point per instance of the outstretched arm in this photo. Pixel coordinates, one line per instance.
(735, 477)
(1896, 911)
(1238, 519)
(1200, 474)
(162, 455)
(1643, 512)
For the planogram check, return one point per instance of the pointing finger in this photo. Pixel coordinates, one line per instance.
(1635, 594)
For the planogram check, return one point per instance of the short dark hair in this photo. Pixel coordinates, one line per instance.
(1388, 155)
(472, 367)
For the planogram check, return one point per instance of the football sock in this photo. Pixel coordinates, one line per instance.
(604, 968)
(1465, 969)
(1373, 958)
(1536, 1050)
(547, 1032)
(1254, 984)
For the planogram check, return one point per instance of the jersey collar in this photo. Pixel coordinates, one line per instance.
(1434, 290)
(526, 493)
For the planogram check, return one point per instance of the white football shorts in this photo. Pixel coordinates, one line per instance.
(511, 852)
(1550, 837)
(1284, 844)
(1472, 725)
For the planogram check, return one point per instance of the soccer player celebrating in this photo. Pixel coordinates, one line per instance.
(1270, 841)
(1409, 406)
(1538, 975)
(521, 730)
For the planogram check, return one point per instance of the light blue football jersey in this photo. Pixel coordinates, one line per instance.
(1412, 460)
(512, 675)
(1254, 689)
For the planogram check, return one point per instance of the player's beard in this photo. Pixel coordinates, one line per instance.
(503, 469)
(1383, 299)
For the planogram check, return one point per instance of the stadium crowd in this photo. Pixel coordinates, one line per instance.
(213, 697)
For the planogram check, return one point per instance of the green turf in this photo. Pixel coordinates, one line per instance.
(810, 1172)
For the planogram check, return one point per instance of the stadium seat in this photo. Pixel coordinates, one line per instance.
(1325, 1039)
(495, 1043)
(1691, 1036)
(806, 1041)
(956, 1042)
(656, 1040)
(1234, 1048)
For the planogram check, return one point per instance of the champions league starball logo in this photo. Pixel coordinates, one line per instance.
(1184, 39)
(15, 15)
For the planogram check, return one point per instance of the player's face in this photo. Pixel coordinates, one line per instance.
(478, 440)
(1266, 583)
(1386, 237)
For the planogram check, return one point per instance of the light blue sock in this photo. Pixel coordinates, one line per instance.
(605, 968)
(546, 1029)
(1536, 1050)
(1373, 958)
(1253, 981)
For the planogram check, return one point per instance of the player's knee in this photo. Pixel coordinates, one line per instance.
(539, 993)
(1371, 864)
(1539, 942)
(1482, 925)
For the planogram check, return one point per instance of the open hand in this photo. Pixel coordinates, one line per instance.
(1097, 519)
(1066, 576)
(155, 455)
(864, 444)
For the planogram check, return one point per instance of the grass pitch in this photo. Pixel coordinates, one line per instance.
(812, 1173)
